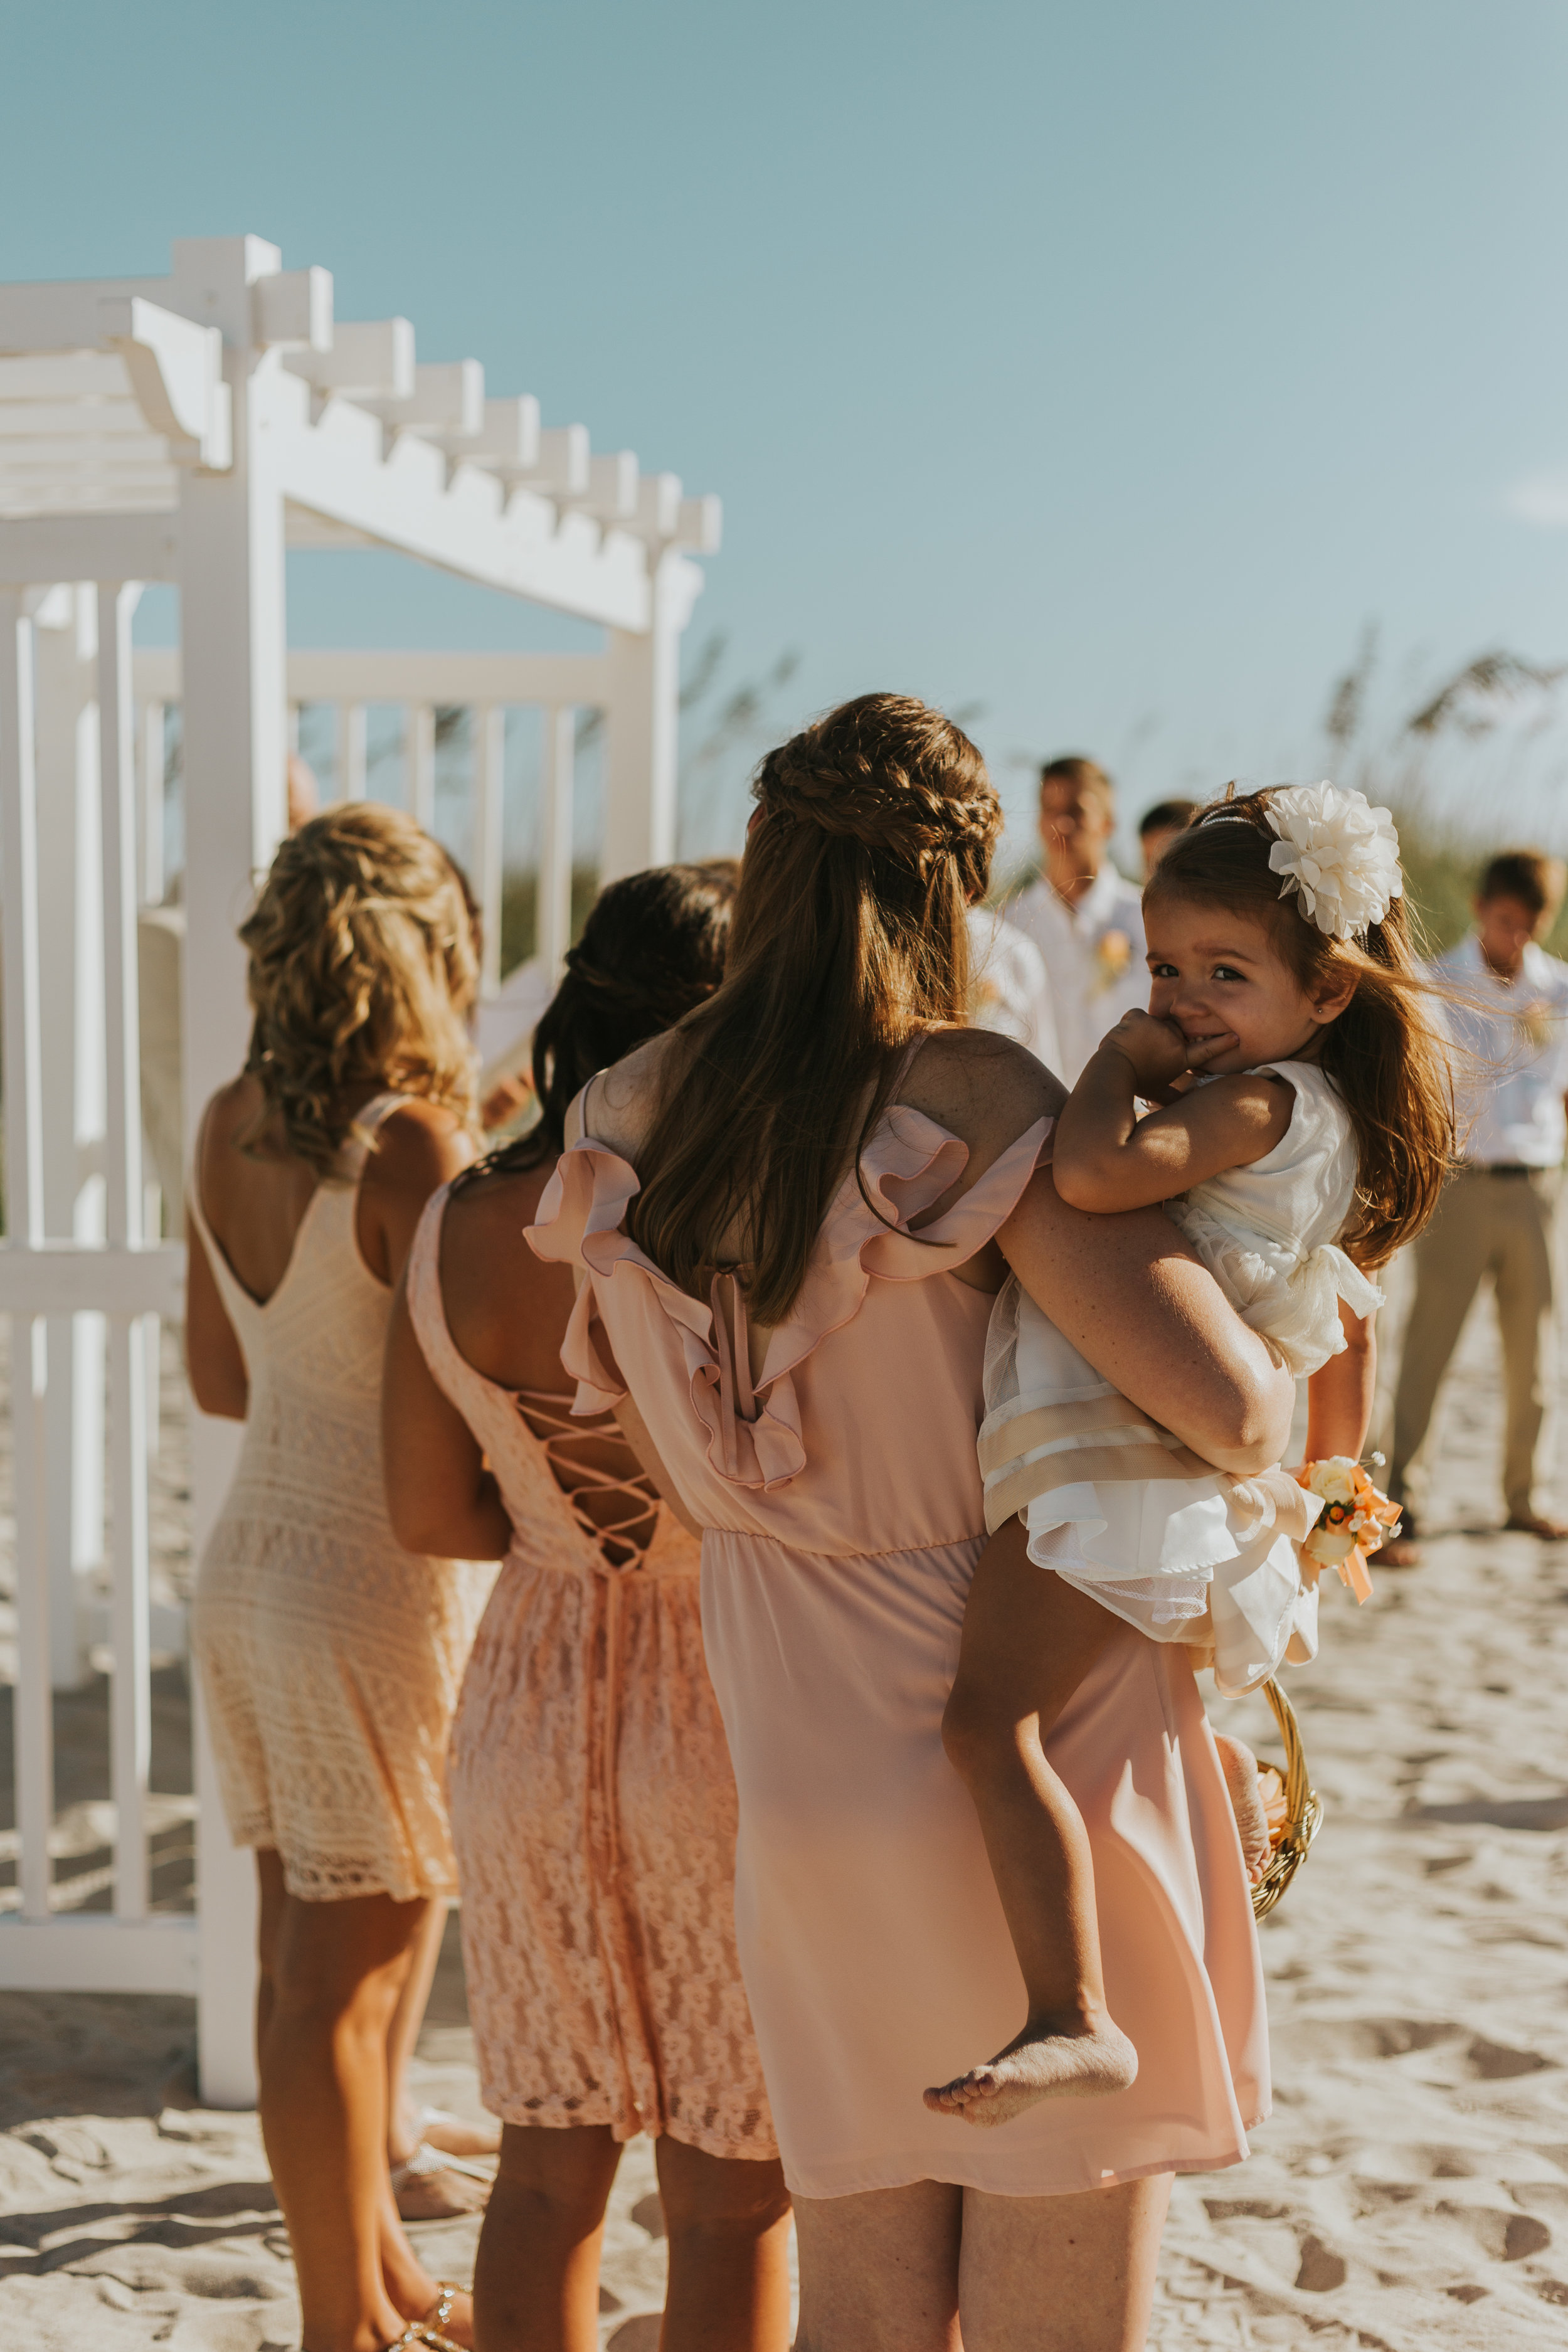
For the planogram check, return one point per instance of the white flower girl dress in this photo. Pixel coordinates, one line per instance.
(1115, 1504)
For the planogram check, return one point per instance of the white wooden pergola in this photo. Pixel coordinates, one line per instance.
(189, 429)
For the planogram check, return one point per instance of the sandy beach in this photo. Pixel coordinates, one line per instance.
(1410, 2191)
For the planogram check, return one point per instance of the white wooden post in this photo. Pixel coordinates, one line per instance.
(24, 1223)
(155, 754)
(488, 720)
(71, 1031)
(130, 1697)
(232, 637)
(352, 750)
(552, 909)
(422, 764)
(640, 730)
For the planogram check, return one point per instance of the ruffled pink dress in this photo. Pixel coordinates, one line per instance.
(843, 1512)
(592, 1800)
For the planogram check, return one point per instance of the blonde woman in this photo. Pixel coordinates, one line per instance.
(330, 1657)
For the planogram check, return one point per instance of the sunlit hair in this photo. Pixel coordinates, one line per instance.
(362, 971)
(1384, 1053)
(653, 946)
(850, 941)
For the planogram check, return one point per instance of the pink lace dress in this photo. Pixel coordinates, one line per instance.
(843, 1511)
(592, 1803)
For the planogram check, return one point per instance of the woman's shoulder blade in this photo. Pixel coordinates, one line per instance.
(981, 1086)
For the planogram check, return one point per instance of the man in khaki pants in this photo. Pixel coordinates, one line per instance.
(1499, 1212)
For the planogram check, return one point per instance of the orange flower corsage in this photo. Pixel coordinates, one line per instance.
(1356, 1518)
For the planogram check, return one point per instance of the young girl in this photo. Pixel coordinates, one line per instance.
(1305, 1123)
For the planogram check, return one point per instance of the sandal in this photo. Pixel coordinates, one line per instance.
(413, 2184)
(430, 2330)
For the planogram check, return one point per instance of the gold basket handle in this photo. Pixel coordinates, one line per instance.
(1303, 1808)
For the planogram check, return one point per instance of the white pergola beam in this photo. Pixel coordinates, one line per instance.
(448, 397)
(403, 499)
(293, 308)
(89, 547)
(369, 358)
(458, 678)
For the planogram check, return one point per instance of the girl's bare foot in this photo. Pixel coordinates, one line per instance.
(1053, 2058)
(1240, 1767)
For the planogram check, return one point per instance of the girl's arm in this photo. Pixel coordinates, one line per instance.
(1339, 1395)
(440, 1498)
(1130, 1296)
(1107, 1157)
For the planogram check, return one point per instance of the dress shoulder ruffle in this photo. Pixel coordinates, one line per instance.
(908, 1163)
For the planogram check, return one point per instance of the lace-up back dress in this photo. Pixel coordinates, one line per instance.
(841, 1501)
(592, 1803)
(330, 1658)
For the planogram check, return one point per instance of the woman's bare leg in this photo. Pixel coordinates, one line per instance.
(1022, 1655)
(432, 2196)
(728, 2225)
(406, 2019)
(536, 2281)
(333, 1973)
(878, 2272)
(1061, 2273)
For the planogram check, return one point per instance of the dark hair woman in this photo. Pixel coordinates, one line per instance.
(592, 1803)
(791, 1214)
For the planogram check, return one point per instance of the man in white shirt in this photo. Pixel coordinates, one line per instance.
(1087, 922)
(1498, 1212)
(1011, 991)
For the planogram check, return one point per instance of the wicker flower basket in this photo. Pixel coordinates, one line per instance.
(1304, 1808)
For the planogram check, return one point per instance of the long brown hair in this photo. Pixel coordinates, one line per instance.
(1389, 1062)
(362, 971)
(850, 941)
(653, 946)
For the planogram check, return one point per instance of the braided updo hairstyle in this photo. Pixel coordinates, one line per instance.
(653, 946)
(362, 970)
(874, 833)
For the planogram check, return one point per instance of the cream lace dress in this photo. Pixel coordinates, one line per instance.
(1113, 1503)
(593, 1801)
(330, 1657)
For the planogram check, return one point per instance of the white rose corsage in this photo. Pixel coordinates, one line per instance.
(1338, 853)
(1356, 1519)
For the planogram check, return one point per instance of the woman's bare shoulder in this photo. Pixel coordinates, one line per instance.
(418, 1147)
(986, 1089)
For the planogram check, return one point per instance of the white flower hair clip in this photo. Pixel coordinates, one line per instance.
(1338, 851)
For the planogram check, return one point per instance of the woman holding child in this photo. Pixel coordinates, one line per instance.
(789, 1219)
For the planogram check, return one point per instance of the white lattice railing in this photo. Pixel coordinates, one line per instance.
(186, 429)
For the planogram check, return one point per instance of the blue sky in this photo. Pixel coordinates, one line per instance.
(1107, 368)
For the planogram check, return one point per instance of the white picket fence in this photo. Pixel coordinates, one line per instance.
(187, 429)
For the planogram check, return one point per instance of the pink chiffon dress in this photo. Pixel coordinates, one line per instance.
(592, 1800)
(842, 1505)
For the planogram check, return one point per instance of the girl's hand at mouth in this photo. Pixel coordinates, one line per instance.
(1160, 1056)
